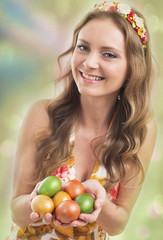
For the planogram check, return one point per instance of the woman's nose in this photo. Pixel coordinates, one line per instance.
(91, 61)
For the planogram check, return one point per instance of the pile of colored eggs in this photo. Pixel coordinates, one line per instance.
(66, 205)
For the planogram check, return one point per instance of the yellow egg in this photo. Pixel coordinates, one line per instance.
(42, 204)
(60, 197)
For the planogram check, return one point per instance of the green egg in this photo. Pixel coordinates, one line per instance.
(50, 186)
(86, 203)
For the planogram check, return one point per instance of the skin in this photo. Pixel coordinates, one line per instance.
(97, 104)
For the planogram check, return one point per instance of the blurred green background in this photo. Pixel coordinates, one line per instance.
(32, 34)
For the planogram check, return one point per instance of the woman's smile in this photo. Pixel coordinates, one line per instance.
(90, 78)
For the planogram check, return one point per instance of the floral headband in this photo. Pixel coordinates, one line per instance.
(136, 22)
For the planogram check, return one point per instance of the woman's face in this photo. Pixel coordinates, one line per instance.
(99, 62)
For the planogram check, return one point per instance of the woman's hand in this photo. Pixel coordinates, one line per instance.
(48, 217)
(96, 190)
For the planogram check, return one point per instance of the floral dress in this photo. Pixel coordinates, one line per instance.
(91, 231)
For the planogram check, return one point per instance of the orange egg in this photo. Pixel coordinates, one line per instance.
(60, 197)
(74, 188)
(42, 204)
(67, 211)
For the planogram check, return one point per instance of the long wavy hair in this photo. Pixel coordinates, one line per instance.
(132, 112)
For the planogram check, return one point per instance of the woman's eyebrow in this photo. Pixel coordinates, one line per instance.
(84, 41)
(103, 47)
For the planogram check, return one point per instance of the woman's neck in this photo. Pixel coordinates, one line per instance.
(96, 113)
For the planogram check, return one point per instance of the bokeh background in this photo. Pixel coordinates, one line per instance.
(32, 34)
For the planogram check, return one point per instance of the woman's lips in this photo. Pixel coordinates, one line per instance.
(91, 77)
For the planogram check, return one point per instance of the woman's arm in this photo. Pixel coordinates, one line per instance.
(114, 216)
(26, 162)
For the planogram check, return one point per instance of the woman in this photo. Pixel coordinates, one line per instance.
(100, 130)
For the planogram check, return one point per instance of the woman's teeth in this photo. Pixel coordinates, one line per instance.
(93, 78)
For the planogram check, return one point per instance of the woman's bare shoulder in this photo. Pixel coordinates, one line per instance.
(37, 115)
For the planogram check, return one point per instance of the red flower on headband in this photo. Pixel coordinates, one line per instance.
(132, 13)
(136, 28)
(143, 39)
(130, 17)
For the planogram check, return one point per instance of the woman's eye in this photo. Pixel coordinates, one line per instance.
(110, 55)
(82, 47)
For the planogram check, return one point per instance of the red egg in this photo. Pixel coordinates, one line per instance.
(74, 188)
(67, 211)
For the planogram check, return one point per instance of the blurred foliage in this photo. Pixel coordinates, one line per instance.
(32, 34)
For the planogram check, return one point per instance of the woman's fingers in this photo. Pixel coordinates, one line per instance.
(47, 218)
(57, 222)
(95, 189)
(34, 216)
(76, 223)
(90, 217)
(34, 192)
(93, 216)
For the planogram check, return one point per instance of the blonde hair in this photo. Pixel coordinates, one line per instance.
(131, 116)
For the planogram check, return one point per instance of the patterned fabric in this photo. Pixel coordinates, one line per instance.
(91, 231)
(67, 172)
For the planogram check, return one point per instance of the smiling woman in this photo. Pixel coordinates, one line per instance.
(100, 130)
(98, 60)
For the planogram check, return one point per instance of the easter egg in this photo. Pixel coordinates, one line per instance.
(60, 197)
(67, 211)
(86, 203)
(50, 186)
(74, 188)
(42, 204)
